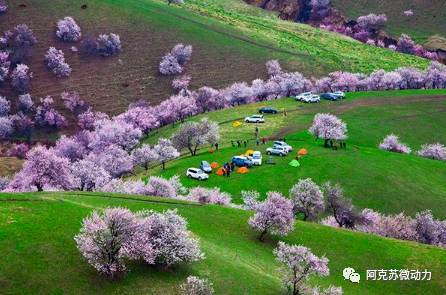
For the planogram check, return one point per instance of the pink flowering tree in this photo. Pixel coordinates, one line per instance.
(328, 127)
(114, 132)
(19, 150)
(161, 187)
(68, 30)
(87, 119)
(108, 45)
(411, 78)
(165, 151)
(307, 199)
(209, 196)
(429, 230)
(340, 208)
(25, 102)
(163, 239)
(274, 216)
(6, 127)
(195, 285)
(434, 151)
(20, 41)
(5, 106)
(73, 102)
(23, 125)
(55, 61)
(169, 65)
(406, 44)
(104, 238)
(43, 169)
(181, 84)
(207, 98)
(298, 265)
(70, 148)
(88, 176)
(140, 117)
(112, 159)
(391, 143)
(5, 64)
(320, 9)
(238, 93)
(273, 68)
(144, 156)
(47, 116)
(372, 22)
(3, 6)
(21, 78)
(193, 135)
(173, 62)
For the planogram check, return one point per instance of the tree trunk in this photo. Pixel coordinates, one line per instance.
(262, 235)
(164, 164)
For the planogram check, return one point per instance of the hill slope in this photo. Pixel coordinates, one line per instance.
(373, 178)
(39, 253)
(429, 16)
(231, 42)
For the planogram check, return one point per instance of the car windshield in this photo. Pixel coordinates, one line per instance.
(205, 164)
(256, 156)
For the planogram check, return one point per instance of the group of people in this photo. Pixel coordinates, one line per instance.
(228, 168)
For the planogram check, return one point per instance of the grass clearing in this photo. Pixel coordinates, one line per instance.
(40, 254)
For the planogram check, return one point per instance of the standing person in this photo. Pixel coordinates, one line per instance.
(256, 132)
(284, 112)
(257, 141)
(239, 144)
(263, 140)
(216, 146)
(232, 166)
(232, 143)
(245, 143)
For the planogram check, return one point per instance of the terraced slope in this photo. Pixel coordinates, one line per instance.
(40, 257)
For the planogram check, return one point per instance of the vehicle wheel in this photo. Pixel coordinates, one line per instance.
(190, 176)
(268, 153)
(281, 155)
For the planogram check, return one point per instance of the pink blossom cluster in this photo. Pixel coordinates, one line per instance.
(307, 198)
(21, 78)
(3, 6)
(47, 116)
(110, 238)
(434, 151)
(55, 61)
(298, 265)
(209, 196)
(68, 30)
(328, 127)
(5, 106)
(173, 62)
(274, 215)
(195, 285)
(391, 143)
(5, 63)
(74, 103)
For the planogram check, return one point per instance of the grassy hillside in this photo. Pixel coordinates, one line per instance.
(429, 15)
(231, 42)
(373, 178)
(40, 257)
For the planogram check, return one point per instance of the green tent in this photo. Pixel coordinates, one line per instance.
(294, 163)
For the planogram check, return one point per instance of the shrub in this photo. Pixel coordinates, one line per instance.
(4, 65)
(68, 30)
(209, 196)
(391, 143)
(435, 151)
(6, 127)
(196, 286)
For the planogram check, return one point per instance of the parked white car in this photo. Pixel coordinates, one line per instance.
(304, 96)
(256, 158)
(196, 174)
(283, 144)
(339, 94)
(277, 150)
(311, 99)
(255, 119)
